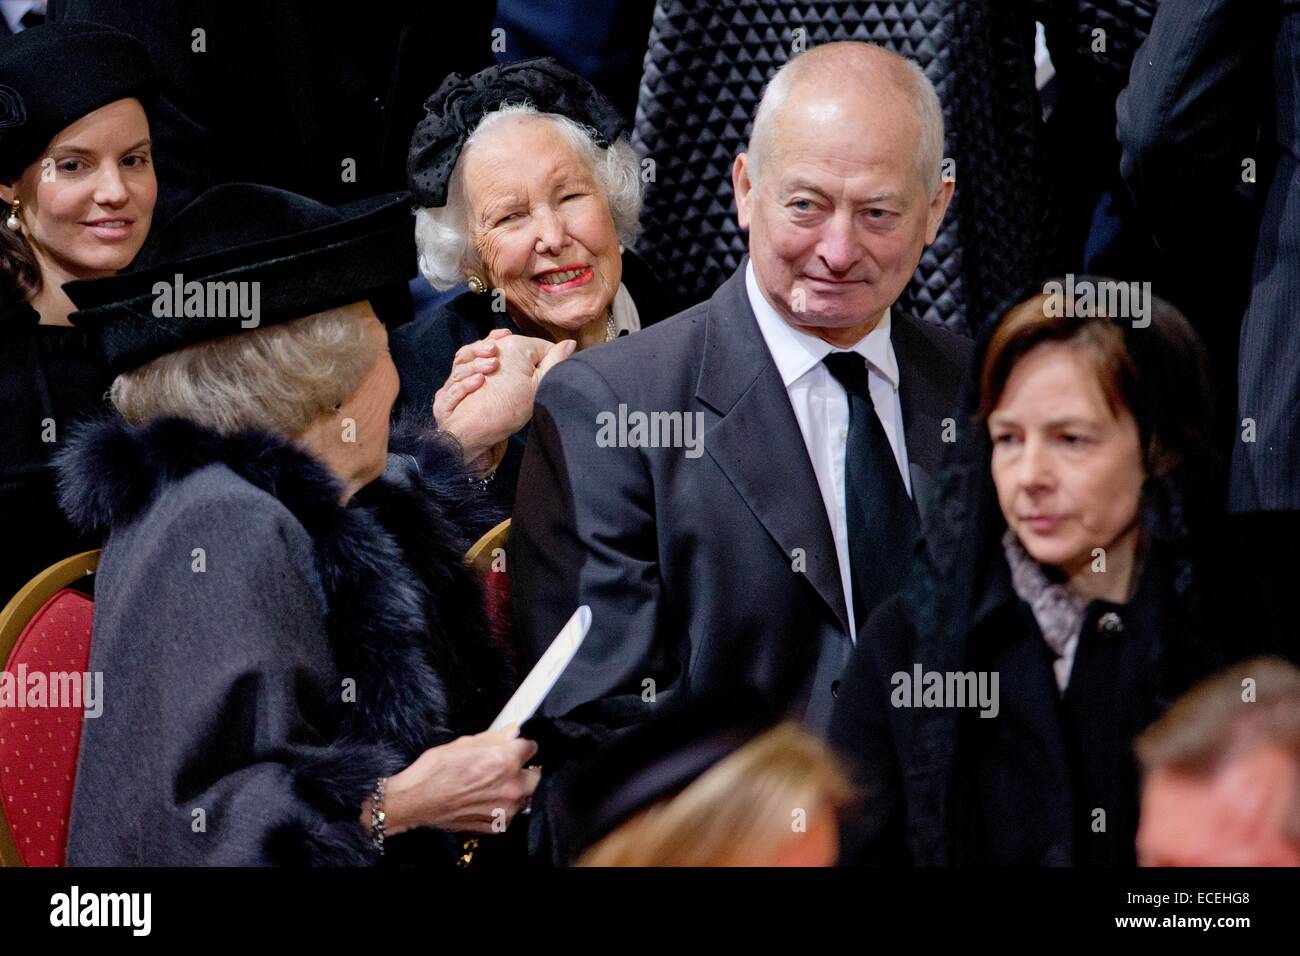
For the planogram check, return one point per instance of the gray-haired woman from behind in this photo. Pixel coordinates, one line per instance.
(297, 669)
(530, 193)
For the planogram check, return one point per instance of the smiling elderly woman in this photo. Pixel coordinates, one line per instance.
(295, 655)
(530, 192)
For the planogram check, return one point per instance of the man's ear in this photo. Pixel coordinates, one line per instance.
(938, 208)
(743, 187)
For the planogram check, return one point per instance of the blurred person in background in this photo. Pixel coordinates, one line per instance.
(1210, 121)
(602, 40)
(1221, 772)
(711, 785)
(329, 97)
(320, 102)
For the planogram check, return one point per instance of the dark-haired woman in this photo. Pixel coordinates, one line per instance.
(77, 177)
(1065, 598)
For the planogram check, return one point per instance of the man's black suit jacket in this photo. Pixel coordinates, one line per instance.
(702, 567)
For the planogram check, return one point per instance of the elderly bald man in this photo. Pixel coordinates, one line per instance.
(734, 490)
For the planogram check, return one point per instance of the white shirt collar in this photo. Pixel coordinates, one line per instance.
(795, 352)
(626, 316)
(15, 10)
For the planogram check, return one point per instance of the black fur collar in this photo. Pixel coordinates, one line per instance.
(404, 614)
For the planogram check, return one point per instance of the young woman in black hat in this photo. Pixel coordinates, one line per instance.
(297, 664)
(77, 178)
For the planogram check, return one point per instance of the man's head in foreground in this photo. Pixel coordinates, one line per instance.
(1222, 772)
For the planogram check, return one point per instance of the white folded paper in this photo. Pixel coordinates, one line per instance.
(542, 677)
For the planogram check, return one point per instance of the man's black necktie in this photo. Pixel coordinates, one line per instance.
(31, 18)
(881, 520)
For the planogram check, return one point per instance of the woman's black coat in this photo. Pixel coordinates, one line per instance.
(267, 653)
(1049, 779)
(49, 376)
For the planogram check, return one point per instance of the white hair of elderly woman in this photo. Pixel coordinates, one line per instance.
(442, 232)
(277, 378)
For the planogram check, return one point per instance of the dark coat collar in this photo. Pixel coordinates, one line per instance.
(18, 318)
(735, 353)
(926, 399)
(403, 612)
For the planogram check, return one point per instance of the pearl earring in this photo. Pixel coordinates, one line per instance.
(12, 223)
(477, 285)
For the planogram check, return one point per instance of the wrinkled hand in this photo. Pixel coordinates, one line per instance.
(470, 366)
(489, 394)
(465, 786)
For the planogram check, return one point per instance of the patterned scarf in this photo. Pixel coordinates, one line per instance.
(1058, 610)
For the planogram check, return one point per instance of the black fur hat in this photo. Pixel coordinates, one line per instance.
(460, 103)
(56, 73)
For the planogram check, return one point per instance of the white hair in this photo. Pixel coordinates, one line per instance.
(277, 378)
(906, 73)
(442, 232)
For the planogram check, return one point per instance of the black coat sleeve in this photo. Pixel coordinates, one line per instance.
(1191, 115)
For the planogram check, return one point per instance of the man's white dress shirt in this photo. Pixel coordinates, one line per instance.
(821, 407)
(15, 10)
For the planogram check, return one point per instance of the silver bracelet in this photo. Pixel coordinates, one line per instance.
(482, 484)
(377, 815)
(478, 484)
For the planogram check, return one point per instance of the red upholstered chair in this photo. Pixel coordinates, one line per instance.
(44, 629)
(487, 557)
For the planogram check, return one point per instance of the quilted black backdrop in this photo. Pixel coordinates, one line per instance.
(705, 70)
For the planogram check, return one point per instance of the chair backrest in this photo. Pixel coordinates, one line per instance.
(45, 649)
(487, 557)
(705, 69)
(483, 552)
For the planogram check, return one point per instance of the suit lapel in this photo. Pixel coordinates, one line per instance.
(923, 409)
(757, 442)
